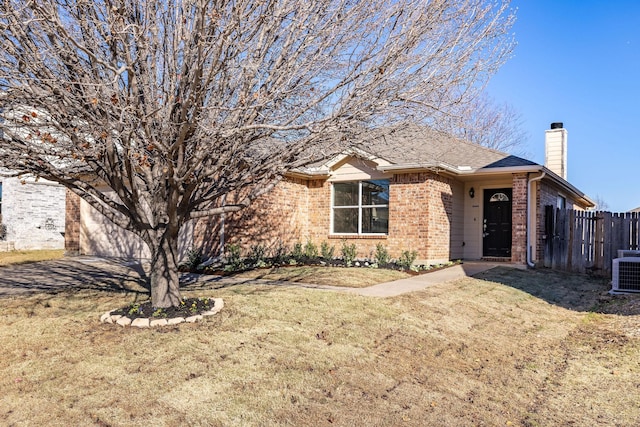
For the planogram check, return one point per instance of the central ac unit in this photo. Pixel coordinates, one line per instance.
(624, 253)
(626, 275)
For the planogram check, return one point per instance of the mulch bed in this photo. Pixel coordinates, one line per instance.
(188, 307)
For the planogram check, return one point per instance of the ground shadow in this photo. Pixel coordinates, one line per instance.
(100, 274)
(71, 274)
(573, 291)
(194, 282)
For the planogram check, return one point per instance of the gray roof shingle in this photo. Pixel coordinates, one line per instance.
(417, 144)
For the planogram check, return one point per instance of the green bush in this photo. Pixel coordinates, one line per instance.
(326, 251)
(297, 253)
(407, 259)
(234, 258)
(258, 255)
(194, 259)
(348, 253)
(310, 250)
(280, 253)
(382, 255)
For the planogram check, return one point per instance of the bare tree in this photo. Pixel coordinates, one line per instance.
(485, 122)
(176, 104)
(601, 203)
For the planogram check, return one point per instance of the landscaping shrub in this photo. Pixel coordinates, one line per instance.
(194, 259)
(382, 255)
(310, 250)
(258, 255)
(327, 251)
(407, 259)
(280, 253)
(297, 253)
(348, 253)
(234, 261)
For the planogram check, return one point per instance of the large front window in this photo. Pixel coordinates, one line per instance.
(361, 207)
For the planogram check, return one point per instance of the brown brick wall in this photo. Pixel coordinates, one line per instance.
(278, 218)
(420, 215)
(319, 211)
(547, 194)
(72, 223)
(519, 219)
(440, 218)
(408, 214)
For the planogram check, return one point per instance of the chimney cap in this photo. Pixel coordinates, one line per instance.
(557, 125)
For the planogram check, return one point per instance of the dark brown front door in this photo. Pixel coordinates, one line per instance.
(497, 223)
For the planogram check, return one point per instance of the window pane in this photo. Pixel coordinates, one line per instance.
(375, 220)
(499, 197)
(345, 220)
(375, 192)
(345, 194)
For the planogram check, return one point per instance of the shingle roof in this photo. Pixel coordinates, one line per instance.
(416, 144)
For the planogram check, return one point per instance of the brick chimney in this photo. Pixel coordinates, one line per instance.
(555, 149)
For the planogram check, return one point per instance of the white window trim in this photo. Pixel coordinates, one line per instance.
(359, 207)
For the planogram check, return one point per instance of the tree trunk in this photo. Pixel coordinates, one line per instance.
(165, 287)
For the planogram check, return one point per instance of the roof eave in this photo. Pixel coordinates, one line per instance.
(586, 200)
(310, 174)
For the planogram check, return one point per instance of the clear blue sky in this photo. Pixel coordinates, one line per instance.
(578, 62)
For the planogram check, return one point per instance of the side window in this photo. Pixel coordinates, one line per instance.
(561, 202)
(361, 207)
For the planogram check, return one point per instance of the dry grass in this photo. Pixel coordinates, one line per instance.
(471, 352)
(21, 257)
(332, 276)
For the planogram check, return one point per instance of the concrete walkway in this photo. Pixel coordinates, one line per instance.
(117, 275)
(423, 281)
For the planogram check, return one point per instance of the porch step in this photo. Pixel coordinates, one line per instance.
(496, 259)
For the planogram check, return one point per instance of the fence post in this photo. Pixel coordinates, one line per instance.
(607, 241)
(634, 238)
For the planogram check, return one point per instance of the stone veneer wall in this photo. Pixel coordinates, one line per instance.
(34, 214)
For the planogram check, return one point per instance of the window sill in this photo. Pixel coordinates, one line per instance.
(358, 236)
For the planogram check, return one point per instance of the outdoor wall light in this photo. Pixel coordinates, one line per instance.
(472, 192)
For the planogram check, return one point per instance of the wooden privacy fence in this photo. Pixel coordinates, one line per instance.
(582, 241)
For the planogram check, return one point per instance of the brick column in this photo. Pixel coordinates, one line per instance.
(72, 224)
(519, 219)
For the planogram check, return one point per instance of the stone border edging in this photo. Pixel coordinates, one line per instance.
(142, 322)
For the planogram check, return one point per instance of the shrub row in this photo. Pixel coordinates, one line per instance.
(259, 256)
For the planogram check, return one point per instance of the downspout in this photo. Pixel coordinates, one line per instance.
(538, 178)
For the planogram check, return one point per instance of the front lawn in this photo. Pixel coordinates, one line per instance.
(352, 277)
(495, 351)
(21, 257)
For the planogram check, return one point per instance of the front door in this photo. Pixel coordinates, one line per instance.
(497, 223)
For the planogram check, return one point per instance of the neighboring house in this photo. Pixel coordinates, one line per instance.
(415, 189)
(32, 214)
(635, 210)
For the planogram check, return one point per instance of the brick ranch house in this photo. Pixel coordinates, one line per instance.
(414, 189)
